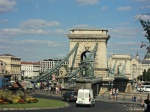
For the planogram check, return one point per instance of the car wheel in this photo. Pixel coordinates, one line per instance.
(77, 105)
(90, 105)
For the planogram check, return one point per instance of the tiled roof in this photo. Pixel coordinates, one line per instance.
(34, 63)
(145, 61)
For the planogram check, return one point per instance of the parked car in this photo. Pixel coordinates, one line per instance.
(146, 88)
(70, 96)
(140, 88)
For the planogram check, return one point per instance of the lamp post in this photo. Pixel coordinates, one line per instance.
(22, 75)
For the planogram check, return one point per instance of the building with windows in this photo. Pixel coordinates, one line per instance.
(30, 69)
(48, 64)
(2, 68)
(131, 66)
(10, 66)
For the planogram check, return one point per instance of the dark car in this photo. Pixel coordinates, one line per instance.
(70, 96)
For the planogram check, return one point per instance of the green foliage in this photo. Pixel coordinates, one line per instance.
(42, 103)
(8, 97)
(145, 76)
(146, 27)
(148, 75)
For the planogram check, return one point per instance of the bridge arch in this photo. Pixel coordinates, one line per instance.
(87, 39)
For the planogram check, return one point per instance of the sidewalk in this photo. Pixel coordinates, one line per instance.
(123, 98)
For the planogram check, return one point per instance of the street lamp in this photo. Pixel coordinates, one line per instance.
(22, 75)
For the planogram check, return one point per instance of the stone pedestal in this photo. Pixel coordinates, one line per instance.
(128, 88)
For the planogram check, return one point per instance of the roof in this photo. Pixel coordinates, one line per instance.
(88, 29)
(34, 63)
(145, 61)
(6, 55)
(147, 55)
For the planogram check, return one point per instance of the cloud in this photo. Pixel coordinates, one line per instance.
(12, 32)
(7, 5)
(28, 44)
(40, 42)
(37, 23)
(87, 2)
(124, 48)
(145, 7)
(29, 48)
(81, 26)
(4, 21)
(17, 31)
(143, 17)
(123, 32)
(104, 8)
(36, 6)
(125, 8)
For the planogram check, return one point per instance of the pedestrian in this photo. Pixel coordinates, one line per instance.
(146, 105)
(113, 93)
(60, 89)
(116, 93)
(110, 94)
(134, 98)
(47, 86)
(56, 89)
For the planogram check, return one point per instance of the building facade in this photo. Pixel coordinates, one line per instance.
(133, 65)
(30, 69)
(10, 66)
(48, 64)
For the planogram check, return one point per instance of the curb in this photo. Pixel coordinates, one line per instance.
(132, 108)
(5, 109)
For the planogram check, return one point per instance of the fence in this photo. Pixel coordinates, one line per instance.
(124, 97)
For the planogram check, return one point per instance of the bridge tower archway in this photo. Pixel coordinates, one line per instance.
(87, 39)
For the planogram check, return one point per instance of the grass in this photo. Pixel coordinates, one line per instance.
(47, 103)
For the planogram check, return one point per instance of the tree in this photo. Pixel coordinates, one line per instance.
(146, 27)
(145, 76)
(140, 77)
(148, 74)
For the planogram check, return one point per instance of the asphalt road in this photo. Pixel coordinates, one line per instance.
(99, 107)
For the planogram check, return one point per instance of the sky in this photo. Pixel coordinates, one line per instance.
(34, 30)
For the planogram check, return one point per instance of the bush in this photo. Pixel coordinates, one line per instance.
(7, 97)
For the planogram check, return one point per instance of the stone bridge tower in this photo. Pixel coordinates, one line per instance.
(87, 39)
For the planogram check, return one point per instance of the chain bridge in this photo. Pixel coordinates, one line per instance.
(87, 61)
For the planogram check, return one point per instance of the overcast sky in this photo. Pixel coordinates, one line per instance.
(36, 29)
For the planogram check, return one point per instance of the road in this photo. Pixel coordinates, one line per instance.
(99, 107)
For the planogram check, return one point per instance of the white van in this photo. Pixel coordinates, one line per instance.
(85, 97)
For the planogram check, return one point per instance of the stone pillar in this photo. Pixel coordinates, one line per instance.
(87, 39)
